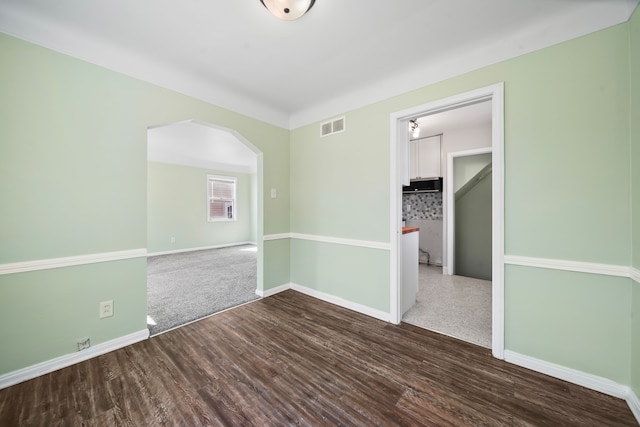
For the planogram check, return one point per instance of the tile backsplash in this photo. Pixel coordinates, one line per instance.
(422, 206)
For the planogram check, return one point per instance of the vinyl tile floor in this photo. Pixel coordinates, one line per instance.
(456, 306)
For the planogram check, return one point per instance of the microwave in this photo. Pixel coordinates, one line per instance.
(428, 185)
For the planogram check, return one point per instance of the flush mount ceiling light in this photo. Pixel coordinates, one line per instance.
(288, 9)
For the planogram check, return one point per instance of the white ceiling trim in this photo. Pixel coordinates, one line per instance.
(593, 17)
(115, 58)
(585, 17)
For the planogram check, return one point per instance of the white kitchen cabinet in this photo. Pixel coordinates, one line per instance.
(424, 157)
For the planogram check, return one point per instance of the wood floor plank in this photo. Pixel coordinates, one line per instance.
(290, 359)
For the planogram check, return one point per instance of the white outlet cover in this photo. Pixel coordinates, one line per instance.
(106, 309)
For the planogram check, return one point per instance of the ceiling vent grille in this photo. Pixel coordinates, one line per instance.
(334, 126)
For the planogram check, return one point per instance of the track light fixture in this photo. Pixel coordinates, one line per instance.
(288, 10)
(414, 128)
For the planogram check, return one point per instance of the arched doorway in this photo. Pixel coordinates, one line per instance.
(202, 259)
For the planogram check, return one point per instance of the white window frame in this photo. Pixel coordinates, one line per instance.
(234, 199)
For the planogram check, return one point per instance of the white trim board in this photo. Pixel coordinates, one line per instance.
(279, 236)
(593, 382)
(30, 372)
(46, 264)
(202, 248)
(362, 309)
(634, 273)
(273, 291)
(575, 266)
(330, 239)
(332, 299)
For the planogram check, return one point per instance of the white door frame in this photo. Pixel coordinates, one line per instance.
(450, 206)
(399, 141)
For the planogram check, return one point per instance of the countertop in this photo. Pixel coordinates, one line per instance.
(406, 230)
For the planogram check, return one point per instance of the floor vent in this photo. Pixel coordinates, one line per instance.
(334, 126)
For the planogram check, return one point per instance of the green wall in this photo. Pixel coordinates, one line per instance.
(177, 207)
(355, 274)
(572, 319)
(45, 312)
(473, 227)
(634, 50)
(567, 196)
(73, 181)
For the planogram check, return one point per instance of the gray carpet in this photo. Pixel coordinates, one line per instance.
(188, 286)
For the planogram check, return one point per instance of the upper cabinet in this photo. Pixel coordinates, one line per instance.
(424, 157)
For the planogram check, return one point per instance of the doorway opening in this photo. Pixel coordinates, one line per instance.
(454, 297)
(204, 213)
(400, 135)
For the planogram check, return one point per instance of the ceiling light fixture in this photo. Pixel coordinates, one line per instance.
(414, 128)
(288, 10)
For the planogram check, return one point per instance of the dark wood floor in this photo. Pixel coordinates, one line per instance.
(293, 360)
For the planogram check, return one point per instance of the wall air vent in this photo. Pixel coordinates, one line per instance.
(334, 126)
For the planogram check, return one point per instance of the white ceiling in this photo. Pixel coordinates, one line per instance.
(340, 56)
(469, 116)
(197, 145)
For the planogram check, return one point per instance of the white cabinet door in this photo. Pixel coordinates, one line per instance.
(424, 160)
(413, 160)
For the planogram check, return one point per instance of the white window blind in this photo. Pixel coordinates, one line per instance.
(221, 196)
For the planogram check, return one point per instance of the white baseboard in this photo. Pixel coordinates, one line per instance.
(634, 405)
(363, 309)
(593, 382)
(273, 291)
(202, 248)
(48, 366)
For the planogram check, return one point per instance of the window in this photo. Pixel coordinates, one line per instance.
(221, 198)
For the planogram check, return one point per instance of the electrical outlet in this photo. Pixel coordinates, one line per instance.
(106, 309)
(274, 193)
(83, 343)
(173, 239)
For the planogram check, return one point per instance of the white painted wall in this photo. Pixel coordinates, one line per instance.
(464, 139)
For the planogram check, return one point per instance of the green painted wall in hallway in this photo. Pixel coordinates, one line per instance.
(177, 207)
(73, 178)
